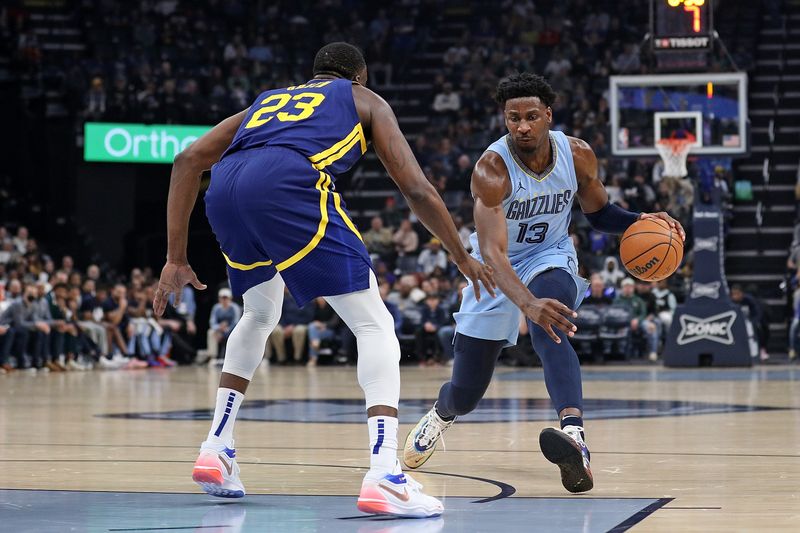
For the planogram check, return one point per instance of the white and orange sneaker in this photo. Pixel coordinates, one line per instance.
(397, 495)
(217, 473)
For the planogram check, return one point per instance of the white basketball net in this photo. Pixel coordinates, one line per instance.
(673, 153)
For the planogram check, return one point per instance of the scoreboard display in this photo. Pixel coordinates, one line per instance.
(681, 24)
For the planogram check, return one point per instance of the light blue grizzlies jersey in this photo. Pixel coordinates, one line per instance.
(538, 211)
(538, 214)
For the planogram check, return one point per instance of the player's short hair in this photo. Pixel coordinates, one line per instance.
(341, 59)
(522, 85)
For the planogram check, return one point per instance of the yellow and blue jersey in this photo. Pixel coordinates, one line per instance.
(272, 202)
(317, 119)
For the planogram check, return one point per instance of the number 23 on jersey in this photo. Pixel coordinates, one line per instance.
(303, 106)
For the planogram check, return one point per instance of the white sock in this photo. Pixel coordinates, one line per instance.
(228, 402)
(382, 443)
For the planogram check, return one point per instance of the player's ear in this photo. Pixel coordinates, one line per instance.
(549, 114)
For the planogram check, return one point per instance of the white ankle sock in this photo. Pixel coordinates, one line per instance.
(382, 443)
(228, 402)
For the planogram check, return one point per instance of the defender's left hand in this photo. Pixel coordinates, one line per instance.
(173, 278)
(674, 224)
(475, 271)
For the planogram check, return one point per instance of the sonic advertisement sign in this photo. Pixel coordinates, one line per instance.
(137, 143)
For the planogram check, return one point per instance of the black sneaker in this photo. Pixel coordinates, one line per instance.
(566, 449)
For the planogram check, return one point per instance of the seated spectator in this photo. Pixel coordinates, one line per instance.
(391, 215)
(324, 327)
(447, 102)
(101, 332)
(378, 240)
(406, 242)
(406, 296)
(599, 294)
(44, 352)
(224, 316)
(433, 317)
(21, 240)
(612, 274)
(665, 303)
(177, 343)
(794, 329)
(64, 337)
(754, 311)
(6, 342)
(447, 331)
(432, 257)
(24, 318)
(293, 325)
(640, 326)
(115, 309)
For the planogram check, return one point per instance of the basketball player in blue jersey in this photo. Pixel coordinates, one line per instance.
(524, 186)
(280, 222)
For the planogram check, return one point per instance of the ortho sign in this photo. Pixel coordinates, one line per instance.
(137, 143)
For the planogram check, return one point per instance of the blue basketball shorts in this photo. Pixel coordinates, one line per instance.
(271, 211)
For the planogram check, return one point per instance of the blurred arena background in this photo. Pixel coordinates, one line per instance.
(97, 97)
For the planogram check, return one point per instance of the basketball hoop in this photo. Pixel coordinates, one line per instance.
(673, 152)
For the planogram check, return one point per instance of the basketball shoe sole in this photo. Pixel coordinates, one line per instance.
(397, 495)
(218, 474)
(572, 458)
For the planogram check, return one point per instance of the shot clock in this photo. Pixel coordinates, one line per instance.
(681, 24)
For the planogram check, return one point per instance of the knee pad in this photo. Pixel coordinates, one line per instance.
(264, 316)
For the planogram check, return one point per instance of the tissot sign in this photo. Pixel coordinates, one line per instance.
(137, 143)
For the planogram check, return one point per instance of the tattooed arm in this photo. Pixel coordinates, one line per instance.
(394, 152)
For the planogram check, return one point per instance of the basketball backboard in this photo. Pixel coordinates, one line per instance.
(712, 106)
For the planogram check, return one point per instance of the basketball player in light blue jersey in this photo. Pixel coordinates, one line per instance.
(524, 186)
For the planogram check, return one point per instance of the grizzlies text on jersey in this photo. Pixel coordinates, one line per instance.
(538, 213)
(272, 202)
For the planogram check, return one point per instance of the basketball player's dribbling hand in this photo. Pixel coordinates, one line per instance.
(476, 271)
(173, 278)
(547, 312)
(674, 224)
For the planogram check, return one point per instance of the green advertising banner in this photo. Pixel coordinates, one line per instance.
(137, 143)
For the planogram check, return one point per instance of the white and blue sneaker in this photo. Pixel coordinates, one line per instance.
(396, 494)
(565, 448)
(421, 441)
(216, 471)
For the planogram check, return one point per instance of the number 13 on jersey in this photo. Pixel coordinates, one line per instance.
(303, 107)
(532, 233)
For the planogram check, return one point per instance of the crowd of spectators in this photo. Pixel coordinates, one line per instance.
(198, 62)
(57, 317)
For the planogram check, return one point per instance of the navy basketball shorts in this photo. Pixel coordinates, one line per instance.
(271, 211)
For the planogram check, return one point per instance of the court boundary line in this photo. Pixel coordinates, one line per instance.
(506, 489)
(640, 515)
(471, 450)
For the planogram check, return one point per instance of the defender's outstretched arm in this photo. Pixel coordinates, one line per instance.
(396, 155)
(184, 185)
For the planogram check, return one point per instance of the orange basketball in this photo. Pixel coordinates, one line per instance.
(651, 250)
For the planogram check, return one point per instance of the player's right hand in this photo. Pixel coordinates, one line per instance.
(547, 312)
(475, 271)
(173, 278)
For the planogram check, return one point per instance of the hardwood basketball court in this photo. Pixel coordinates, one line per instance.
(672, 450)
